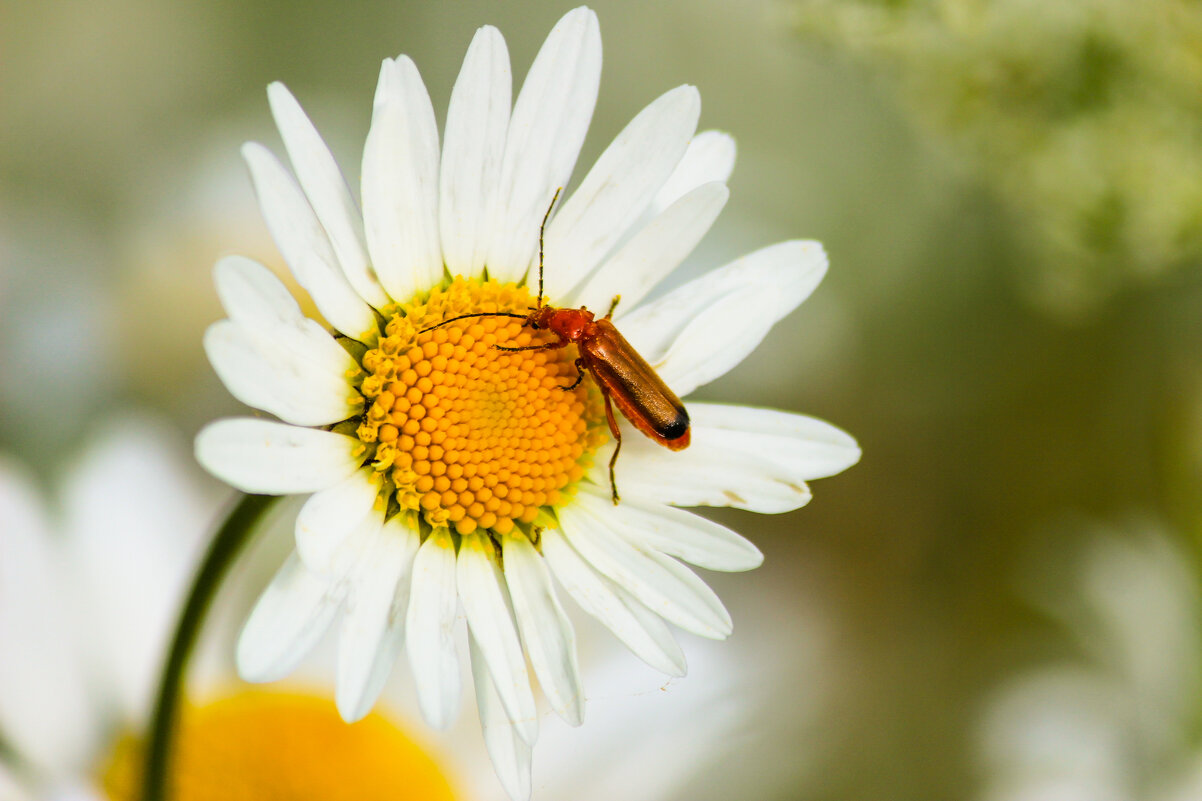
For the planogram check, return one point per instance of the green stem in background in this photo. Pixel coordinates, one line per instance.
(231, 537)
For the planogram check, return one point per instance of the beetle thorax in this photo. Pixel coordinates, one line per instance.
(571, 324)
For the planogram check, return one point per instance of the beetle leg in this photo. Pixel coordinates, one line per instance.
(617, 432)
(579, 376)
(613, 304)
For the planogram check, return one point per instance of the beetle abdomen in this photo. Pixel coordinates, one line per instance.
(634, 387)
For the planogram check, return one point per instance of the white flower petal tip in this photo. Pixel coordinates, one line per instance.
(547, 633)
(546, 131)
(294, 386)
(657, 249)
(681, 534)
(676, 333)
(710, 157)
(327, 190)
(303, 242)
(474, 144)
(252, 294)
(620, 186)
(748, 458)
(645, 634)
(430, 630)
(486, 604)
(270, 357)
(289, 618)
(808, 447)
(663, 585)
(510, 754)
(259, 456)
(400, 182)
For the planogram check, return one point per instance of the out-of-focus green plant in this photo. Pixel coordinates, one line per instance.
(1083, 114)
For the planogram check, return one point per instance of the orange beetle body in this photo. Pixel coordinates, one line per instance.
(621, 373)
(623, 376)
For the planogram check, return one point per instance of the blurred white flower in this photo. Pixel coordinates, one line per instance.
(466, 463)
(1120, 722)
(90, 585)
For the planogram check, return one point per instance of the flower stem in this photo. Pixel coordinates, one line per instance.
(233, 534)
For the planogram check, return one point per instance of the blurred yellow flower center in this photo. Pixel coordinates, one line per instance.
(468, 435)
(268, 746)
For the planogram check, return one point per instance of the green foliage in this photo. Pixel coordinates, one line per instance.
(1083, 115)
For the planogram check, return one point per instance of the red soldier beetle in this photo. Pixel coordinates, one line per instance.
(620, 372)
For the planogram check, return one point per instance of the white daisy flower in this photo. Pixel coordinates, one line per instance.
(89, 589)
(447, 470)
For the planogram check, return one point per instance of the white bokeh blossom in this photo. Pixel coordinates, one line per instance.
(1119, 721)
(90, 584)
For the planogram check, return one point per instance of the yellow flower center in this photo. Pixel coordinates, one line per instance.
(466, 434)
(269, 746)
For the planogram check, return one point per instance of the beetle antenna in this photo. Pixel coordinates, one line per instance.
(473, 314)
(542, 228)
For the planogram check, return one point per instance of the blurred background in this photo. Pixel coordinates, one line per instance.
(1001, 600)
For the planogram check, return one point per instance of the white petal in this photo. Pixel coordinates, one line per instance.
(430, 625)
(806, 446)
(136, 518)
(656, 250)
(253, 297)
(641, 631)
(510, 754)
(276, 458)
(289, 618)
(400, 183)
(663, 586)
(332, 515)
(648, 524)
(755, 459)
(327, 191)
(44, 687)
(279, 380)
(373, 628)
(619, 187)
(260, 304)
(547, 633)
(710, 157)
(477, 119)
(700, 477)
(671, 655)
(699, 331)
(304, 245)
(690, 583)
(550, 119)
(482, 590)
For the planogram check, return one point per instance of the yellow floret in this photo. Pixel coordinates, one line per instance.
(469, 435)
